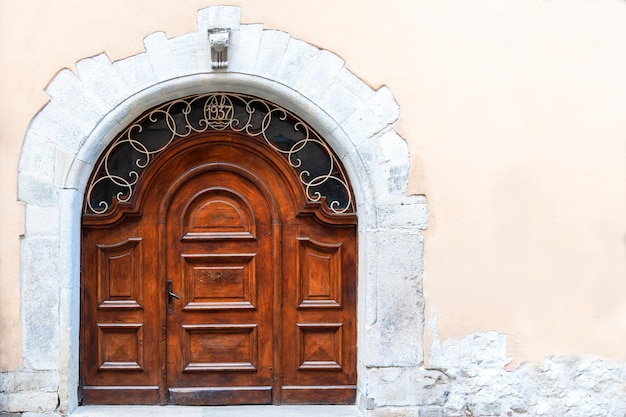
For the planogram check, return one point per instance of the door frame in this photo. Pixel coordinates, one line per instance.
(67, 136)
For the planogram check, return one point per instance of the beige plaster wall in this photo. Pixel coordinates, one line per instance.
(514, 111)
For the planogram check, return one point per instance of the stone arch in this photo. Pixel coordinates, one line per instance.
(85, 112)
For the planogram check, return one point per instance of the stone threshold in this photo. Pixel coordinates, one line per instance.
(218, 411)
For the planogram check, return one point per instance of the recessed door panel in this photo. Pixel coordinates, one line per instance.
(213, 281)
(319, 274)
(119, 274)
(220, 347)
(120, 346)
(320, 346)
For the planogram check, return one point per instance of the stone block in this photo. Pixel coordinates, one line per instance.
(191, 53)
(244, 46)
(40, 300)
(390, 387)
(368, 265)
(491, 408)
(358, 164)
(322, 75)
(431, 412)
(63, 126)
(343, 98)
(101, 136)
(392, 154)
(431, 387)
(396, 337)
(270, 54)
(377, 113)
(31, 401)
(167, 89)
(30, 381)
(137, 71)
(189, 41)
(69, 237)
(160, 55)
(68, 92)
(41, 220)
(399, 261)
(218, 17)
(36, 189)
(359, 88)
(299, 55)
(77, 175)
(403, 213)
(62, 164)
(6, 381)
(68, 347)
(32, 159)
(92, 71)
(37, 152)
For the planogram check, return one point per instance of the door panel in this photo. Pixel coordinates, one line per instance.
(319, 323)
(118, 265)
(119, 351)
(219, 282)
(319, 273)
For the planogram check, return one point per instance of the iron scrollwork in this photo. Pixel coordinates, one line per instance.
(119, 169)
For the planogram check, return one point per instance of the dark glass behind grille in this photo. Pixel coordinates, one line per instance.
(142, 142)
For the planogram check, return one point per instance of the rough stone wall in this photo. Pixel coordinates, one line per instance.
(468, 378)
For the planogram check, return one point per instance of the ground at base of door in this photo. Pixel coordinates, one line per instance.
(219, 411)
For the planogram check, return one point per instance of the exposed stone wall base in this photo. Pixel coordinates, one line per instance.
(469, 378)
(474, 382)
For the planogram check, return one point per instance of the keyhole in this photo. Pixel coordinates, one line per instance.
(219, 274)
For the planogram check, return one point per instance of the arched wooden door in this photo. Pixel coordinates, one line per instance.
(218, 284)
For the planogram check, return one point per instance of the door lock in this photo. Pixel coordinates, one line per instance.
(171, 295)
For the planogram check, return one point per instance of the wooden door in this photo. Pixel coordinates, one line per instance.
(220, 284)
(221, 263)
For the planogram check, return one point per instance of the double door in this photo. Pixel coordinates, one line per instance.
(221, 290)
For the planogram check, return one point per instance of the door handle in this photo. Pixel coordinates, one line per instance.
(170, 296)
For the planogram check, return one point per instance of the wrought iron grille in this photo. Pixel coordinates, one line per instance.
(120, 168)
